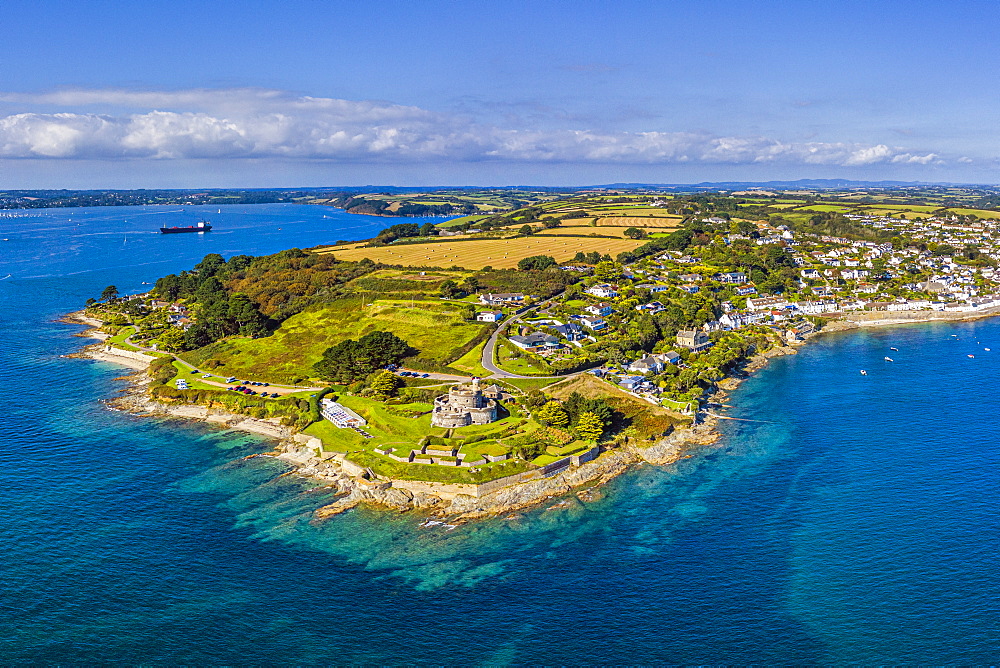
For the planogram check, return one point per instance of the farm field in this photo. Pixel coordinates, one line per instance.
(476, 254)
(825, 208)
(590, 230)
(663, 221)
(981, 213)
(404, 280)
(903, 207)
(434, 328)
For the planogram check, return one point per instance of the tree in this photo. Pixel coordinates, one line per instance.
(536, 262)
(109, 294)
(172, 339)
(428, 229)
(526, 230)
(450, 290)
(248, 319)
(553, 414)
(472, 284)
(550, 223)
(635, 233)
(210, 265)
(383, 384)
(352, 360)
(589, 427)
(607, 271)
(91, 301)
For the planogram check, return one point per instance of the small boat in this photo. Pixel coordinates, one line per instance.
(971, 356)
(896, 349)
(888, 359)
(986, 349)
(864, 373)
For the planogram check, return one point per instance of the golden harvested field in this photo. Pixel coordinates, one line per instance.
(636, 221)
(588, 230)
(499, 253)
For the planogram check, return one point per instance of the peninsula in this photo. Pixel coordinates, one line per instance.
(488, 362)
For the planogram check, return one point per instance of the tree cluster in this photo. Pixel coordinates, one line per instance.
(351, 361)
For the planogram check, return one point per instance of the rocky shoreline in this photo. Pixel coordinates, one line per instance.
(355, 485)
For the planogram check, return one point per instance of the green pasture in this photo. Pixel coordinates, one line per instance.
(433, 328)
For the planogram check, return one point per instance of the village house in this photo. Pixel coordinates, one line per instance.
(647, 364)
(653, 287)
(570, 331)
(766, 303)
(594, 324)
(502, 299)
(736, 277)
(694, 340)
(602, 309)
(670, 357)
(535, 341)
(602, 290)
(489, 316)
(651, 308)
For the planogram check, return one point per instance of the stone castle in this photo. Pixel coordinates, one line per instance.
(464, 405)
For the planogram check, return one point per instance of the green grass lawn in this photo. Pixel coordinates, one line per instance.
(571, 448)
(433, 328)
(529, 384)
(824, 208)
(520, 365)
(118, 340)
(471, 362)
(403, 433)
(455, 222)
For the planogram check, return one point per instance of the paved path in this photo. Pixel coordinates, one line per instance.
(491, 344)
(437, 376)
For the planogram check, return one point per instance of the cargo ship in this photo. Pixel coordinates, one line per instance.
(203, 226)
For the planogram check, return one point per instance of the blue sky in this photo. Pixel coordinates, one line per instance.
(294, 93)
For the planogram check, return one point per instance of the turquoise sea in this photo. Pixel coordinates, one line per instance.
(855, 521)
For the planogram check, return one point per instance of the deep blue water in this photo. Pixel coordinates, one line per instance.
(856, 523)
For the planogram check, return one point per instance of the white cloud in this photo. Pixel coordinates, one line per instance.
(256, 123)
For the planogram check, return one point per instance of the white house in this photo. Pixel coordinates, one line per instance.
(603, 290)
(602, 309)
(766, 303)
(501, 299)
(489, 316)
(595, 324)
(647, 364)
